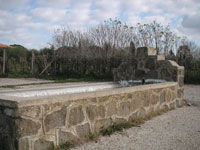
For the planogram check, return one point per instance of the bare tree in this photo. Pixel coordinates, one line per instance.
(119, 35)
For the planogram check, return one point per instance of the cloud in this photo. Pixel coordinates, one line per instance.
(75, 16)
(79, 15)
(190, 27)
(18, 28)
(19, 35)
(32, 22)
(53, 3)
(48, 14)
(10, 4)
(192, 22)
(134, 19)
(105, 9)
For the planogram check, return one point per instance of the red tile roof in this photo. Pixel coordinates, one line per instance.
(3, 45)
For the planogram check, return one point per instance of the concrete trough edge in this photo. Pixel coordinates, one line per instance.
(13, 102)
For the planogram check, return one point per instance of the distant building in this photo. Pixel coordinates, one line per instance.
(5, 46)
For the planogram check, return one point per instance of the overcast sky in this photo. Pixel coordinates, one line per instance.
(31, 22)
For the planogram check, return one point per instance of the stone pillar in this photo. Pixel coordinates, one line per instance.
(179, 79)
(145, 51)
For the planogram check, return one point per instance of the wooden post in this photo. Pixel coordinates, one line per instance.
(4, 61)
(32, 62)
(47, 67)
(54, 55)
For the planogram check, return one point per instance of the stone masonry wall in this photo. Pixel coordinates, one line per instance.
(40, 123)
(147, 65)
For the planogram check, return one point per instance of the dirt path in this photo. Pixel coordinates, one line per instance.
(175, 130)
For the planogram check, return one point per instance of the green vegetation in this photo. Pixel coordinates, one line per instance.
(8, 86)
(65, 146)
(91, 56)
(93, 136)
(192, 72)
(114, 128)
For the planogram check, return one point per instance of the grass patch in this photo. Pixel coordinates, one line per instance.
(15, 86)
(114, 128)
(8, 86)
(76, 142)
(65, 146)
(93, 136)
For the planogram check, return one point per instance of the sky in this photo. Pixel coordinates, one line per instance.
(31, 23)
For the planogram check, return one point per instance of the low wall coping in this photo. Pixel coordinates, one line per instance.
(173, 63)
(17, 102)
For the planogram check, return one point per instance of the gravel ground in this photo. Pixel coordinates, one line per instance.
(175, 130)
(192, 95)
(18, 81)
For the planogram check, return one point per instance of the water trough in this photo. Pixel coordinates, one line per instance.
(39, 117)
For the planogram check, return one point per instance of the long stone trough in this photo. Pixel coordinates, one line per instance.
(37, 119)
(32, 123)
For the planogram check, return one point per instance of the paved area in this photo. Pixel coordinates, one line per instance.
(18, 81)
(175, 130)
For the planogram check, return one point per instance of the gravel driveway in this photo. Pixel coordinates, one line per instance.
(175, 130)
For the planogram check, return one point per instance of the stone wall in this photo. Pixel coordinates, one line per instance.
(39, 123)
(147, 65)
(36, 124)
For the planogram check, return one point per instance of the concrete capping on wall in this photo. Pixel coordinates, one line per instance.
(160, 57)
(18, 102)
(35, 123)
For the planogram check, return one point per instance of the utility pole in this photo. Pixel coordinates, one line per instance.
(4, 61)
